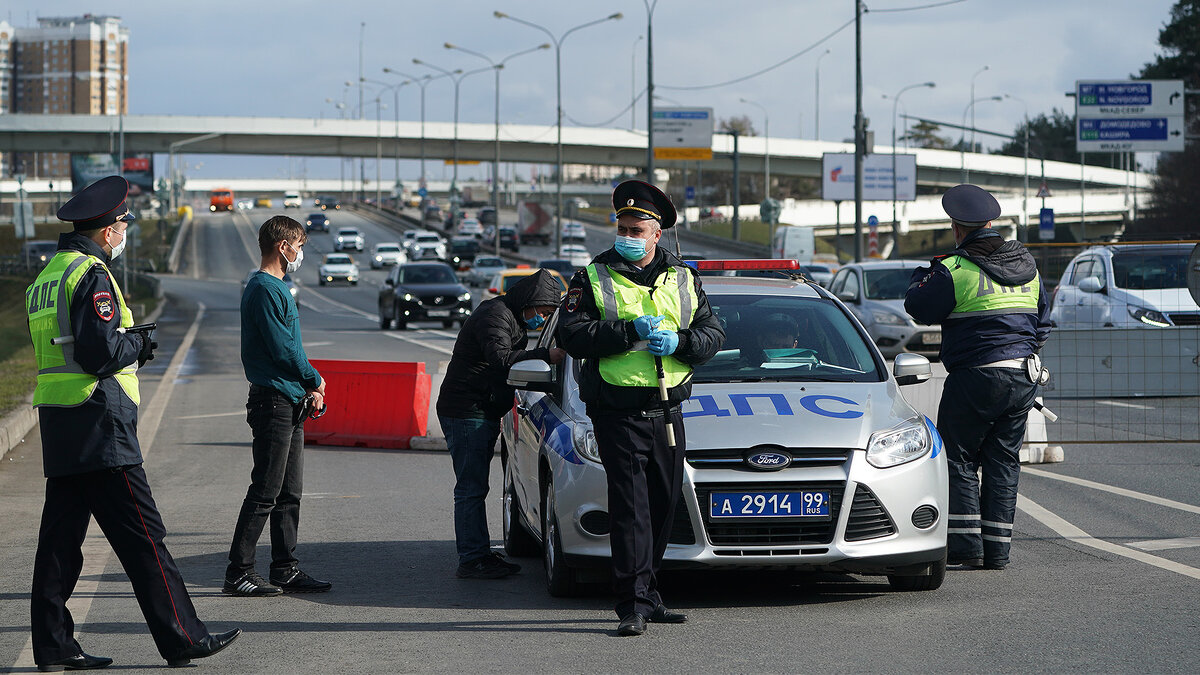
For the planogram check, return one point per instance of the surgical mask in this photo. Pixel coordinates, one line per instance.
(535, 322)
(631, 248)
(119, 248)
(293, 265)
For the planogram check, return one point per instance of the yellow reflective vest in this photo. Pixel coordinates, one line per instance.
(977, 294)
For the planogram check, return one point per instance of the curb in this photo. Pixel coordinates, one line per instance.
(427, 443)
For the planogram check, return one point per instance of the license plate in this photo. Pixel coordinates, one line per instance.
(805, 503)
(931, 338)
(438, 312)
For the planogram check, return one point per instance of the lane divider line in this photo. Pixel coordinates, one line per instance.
(1122, 404)
(1166, 544)
(1132, 494)
(1068, 531)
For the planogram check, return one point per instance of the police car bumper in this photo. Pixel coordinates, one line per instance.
(900, 339)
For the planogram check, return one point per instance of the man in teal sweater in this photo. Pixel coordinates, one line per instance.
(280, 378)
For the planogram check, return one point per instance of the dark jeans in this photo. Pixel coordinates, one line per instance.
(472, 444)
(276, 482)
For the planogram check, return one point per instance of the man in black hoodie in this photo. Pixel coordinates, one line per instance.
(473, 398)
(995, 317)
(635, 302)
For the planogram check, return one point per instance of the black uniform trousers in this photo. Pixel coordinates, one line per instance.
(645, 478)
(982, 419)
(123, 507)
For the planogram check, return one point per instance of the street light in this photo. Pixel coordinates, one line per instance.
(633, 84)
(966, 174)
(649, 88)
(395, 113)
(895, 102)
(457, 76)
(497, 67)
(817, 98)
(1025, 185)
(422, 82)
(977, 74)
(558, 208)
(767, 148)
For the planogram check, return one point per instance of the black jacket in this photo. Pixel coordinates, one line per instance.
(585, 336)
(978, 340)
(491, 340)
(100, 433)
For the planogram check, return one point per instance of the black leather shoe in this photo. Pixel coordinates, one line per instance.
(80, 661)
(972, 563)
(663, 615)
(295, 581)
(634, 624)
(207, 647)
(995, 565)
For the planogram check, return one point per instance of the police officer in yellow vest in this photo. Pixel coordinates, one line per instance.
(633, 303)
(995, 316)
(87, 397)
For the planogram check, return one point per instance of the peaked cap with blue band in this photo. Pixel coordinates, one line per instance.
(641, 199)
(970, 205)
(97, 205)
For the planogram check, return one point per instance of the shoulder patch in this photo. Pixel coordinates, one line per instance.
(103, 303)
(573, 298)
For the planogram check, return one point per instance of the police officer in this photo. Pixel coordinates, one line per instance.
(636, 303)
(989, 298)
(87, 398)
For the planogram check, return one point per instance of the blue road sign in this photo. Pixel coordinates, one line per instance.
(689, 192)
(872, 222)
(423, 192)
(1046, 224)
(1127, 129)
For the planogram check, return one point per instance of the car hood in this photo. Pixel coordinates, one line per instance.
(338, 268)
(1162, 299)
(791, 414)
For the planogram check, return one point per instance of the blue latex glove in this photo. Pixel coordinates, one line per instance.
(645, 325)
(664, 342)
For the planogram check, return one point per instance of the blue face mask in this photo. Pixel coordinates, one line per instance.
(631, 248)
(535, 322)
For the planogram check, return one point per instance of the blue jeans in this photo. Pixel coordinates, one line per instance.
(472, 444)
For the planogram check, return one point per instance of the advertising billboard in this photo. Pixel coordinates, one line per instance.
(89, 168)
(837, 177)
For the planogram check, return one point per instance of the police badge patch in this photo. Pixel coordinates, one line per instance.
(103, 303)
(573, 299)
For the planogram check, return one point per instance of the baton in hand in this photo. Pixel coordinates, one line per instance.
(666, 404)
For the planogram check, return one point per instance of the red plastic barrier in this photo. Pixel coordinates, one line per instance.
(371, 404)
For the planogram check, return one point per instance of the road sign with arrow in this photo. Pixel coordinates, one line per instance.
(1129, 116)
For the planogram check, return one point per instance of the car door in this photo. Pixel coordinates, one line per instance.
(1065, 312)
(535, 414)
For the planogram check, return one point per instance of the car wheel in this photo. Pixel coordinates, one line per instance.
(320, 282)
(384, 322)
(400, 324)
(562, 580)
(921, 582)
(354, 283)
(518, 541)
(447, 324)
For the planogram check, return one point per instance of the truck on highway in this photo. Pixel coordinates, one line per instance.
(220, 199)
(794, 242)
(535, 223)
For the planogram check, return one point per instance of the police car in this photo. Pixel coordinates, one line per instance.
(801, 452)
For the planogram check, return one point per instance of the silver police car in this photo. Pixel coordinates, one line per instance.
(801, 452)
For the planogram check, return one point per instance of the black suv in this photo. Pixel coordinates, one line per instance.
(317, 222)
(422, 291)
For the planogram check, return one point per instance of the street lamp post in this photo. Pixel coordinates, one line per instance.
(457, 76)
(559, 115)
(977, 74)
(422, 81)
(649, 88)
(1024, 236)
(966, 173)
(395, 114)
(633, 84)
(895, 103)
(817, 98)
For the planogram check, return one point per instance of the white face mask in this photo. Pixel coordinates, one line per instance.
(292, 265)
(119, 248)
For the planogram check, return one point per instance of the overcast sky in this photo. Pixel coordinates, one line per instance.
(221, 57)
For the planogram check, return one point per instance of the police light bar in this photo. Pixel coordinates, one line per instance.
(749, 264)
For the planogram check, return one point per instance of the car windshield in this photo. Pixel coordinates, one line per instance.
(489, 262)
(514, 278)
(427, 275)
(887, 284)
(347, 233)
(1147, 270)
(778, 338)
(389, 248)
(337, 260)
(426, 238)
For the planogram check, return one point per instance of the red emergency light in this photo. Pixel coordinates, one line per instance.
(749, 264)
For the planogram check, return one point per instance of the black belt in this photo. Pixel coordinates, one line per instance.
(656, 412)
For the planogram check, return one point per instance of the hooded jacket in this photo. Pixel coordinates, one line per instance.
(491, 340)
(978, 340)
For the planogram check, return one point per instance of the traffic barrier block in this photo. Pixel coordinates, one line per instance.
(371, 404)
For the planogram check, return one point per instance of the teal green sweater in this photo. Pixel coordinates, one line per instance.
(272, 353)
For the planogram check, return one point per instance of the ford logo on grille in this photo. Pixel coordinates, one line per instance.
(438, 300)
(768, 460)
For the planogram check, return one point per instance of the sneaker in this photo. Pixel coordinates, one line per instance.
(250, 585)
(295, 581)
(491, 566)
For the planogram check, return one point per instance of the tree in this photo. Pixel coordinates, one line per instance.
(742, 125)
(924, 135)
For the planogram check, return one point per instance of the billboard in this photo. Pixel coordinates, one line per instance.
(682, 133)
(89, 168)
(837, 177)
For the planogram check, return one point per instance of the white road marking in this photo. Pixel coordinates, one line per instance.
(1068, 531)
(317, 344)
(251, 251)
(204, 417)
(96, 549)
(420, 343)
(1122, 404)
(1166, 544)
(1161, 501)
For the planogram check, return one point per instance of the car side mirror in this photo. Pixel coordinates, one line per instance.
(388, 282)
(494, 290)
(532, 374)
(1091, 285)
(911, 369)
(847, 296)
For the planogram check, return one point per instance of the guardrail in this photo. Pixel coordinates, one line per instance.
(177, 246)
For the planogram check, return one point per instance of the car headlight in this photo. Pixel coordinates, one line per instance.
(1149, 317)
(408, 297)
(898, 445)
(888, 318)
(585, 442)
(378, 258)
(464, 297)
(292, 290)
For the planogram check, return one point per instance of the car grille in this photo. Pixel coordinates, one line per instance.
(868, 518)
(733, 458)
(1180, 319)
(438, 300)
(774, 531)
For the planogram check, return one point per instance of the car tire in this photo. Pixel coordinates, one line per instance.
(562, 580)
(518, 541)
(320, 282)
(354, 283)
(448, 324)
(384, 322)
(922, 582)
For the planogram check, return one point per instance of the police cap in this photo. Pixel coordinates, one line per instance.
(970, 205)
(98, 205)
(641, 199)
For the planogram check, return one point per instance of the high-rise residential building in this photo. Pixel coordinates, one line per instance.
(64, 65)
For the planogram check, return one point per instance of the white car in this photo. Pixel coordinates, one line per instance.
(470, 226)
(573, 231)
(387, 253)
(245, 204)
(338, 267)
(427, 246)
(801, 453)
(1126, 286)
(348, 238)
(578, 255)
(291, 200)
(484, 269)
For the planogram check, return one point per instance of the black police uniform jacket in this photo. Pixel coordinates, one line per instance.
(586, 336)
(100, 433)
(978, 340)
(491, 340)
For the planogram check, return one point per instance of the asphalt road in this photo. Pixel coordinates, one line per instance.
(1085, 591)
